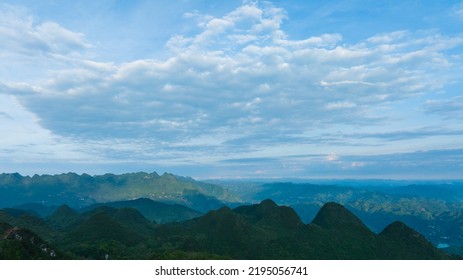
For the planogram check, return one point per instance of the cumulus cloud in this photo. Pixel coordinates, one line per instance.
(20, 33)
(25, 140)
(31, 48)
(206, 87)
(240, 80)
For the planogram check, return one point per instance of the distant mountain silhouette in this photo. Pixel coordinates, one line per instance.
(152, 210)
(83, 190)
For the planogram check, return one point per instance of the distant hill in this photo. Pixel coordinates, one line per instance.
(446, 192)
(36, 208)
(152, 210)
(25, 219)
(64, 218)
(82, 190)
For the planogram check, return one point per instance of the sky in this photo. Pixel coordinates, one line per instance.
(233, 89)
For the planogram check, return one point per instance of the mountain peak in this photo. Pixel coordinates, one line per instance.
(333, 215)
(400, 230)
(269, 213)
(64, 217)
(268, 203)
(64, 210)
(406, 243)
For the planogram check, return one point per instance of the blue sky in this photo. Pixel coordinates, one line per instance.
(233, 89)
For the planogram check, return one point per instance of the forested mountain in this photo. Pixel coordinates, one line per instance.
(432, 208)
(259, 231)
(83, 190)
(154, 211)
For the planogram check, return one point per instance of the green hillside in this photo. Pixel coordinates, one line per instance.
(259, 231)
(83, 190)
(154, 211)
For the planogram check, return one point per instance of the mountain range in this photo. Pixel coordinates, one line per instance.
(83, 190)
(258, 231)
(436, 211)
(173, 204)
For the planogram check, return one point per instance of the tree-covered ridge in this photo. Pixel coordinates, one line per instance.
(259, 231)
(81, 190)
(433, 208)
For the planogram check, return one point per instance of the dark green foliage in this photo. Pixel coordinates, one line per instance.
(268, 231)
(186, 255)
(335, 216)
(260, 231)
(23, 244)
(404, 242)
(434, 209)
(269, 214)
(37, 208)
(64, 218)
(126, 226)
(153, 210)
(24, 219)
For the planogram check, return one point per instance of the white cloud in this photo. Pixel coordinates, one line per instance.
(24, 140)
(247, 23)
(240, 81)
(388, 38)
(20, 33)
(332, 157)
(204, 76)
(339, 105)
(30, 49)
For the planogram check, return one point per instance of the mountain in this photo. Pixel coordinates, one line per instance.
(405, 242)
(433, 208)
(83, 190)
(268, 231)
(152, 210)
(99, 227)
(269, 214)
(24, 219)
(107, 232)
(335, 216)
(258, 231)
(64, 218)
(446, 192)
(36, 208)
(22, 244)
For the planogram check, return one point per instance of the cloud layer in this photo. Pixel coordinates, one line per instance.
(238, 87)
